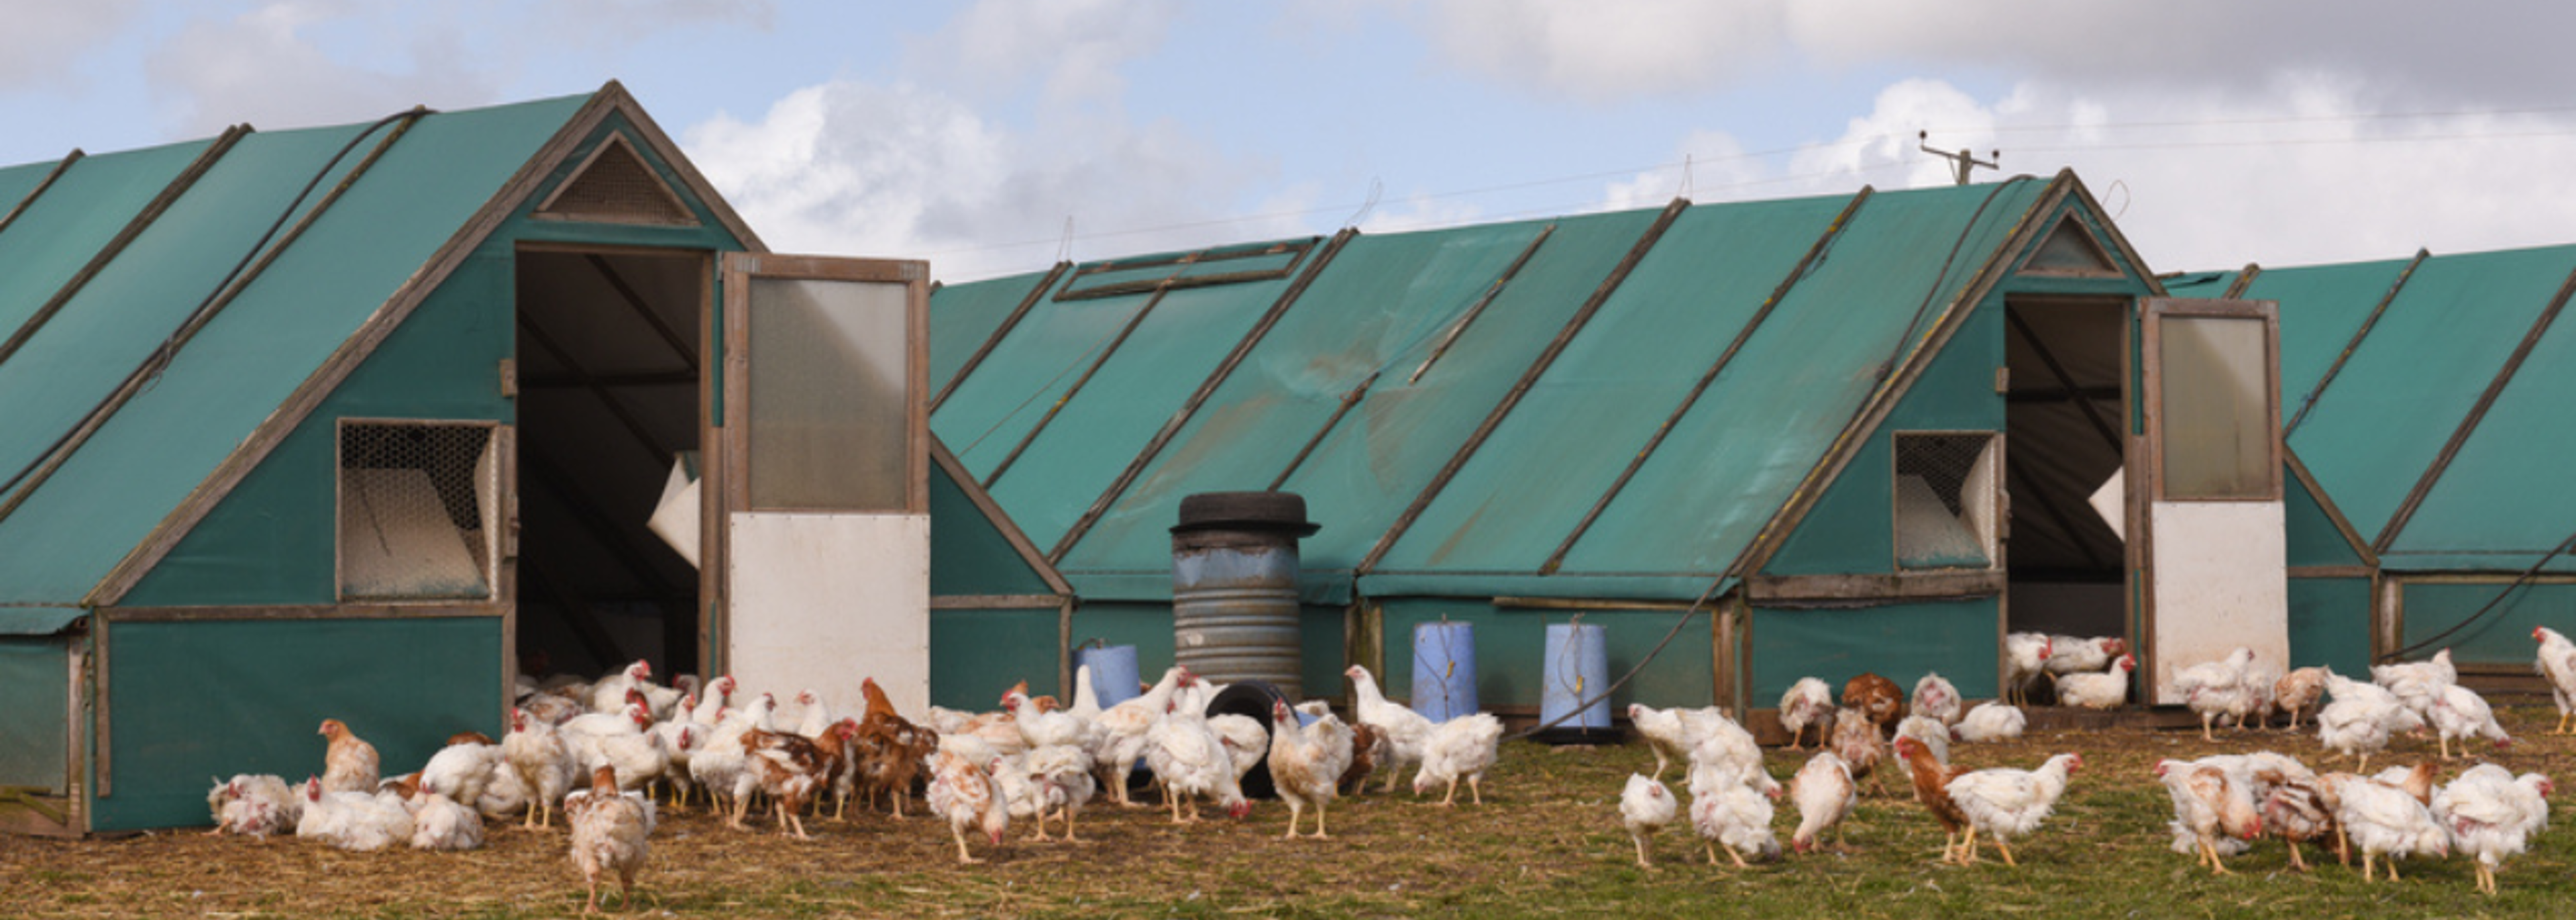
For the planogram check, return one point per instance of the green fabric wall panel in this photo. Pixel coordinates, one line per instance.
(964, 316)
(975, 655)
(968, 554)
(403, 685)
(1613, 387)
(1900, 642)
(2509, 490)
(1377, 309)
(1707, 491)
(35, 677)
(1103, 427)
(1322, 652)
(2312, 536)
(2502, 637)
(1511, 651)
(1148, 627)
(2330, 624)
(2397, 401)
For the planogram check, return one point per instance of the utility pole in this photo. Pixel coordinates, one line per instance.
(1961, 162)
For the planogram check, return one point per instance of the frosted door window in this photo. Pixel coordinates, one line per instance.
(2216, 391)
(829, 420)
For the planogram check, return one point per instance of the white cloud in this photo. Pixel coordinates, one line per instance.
(2300, 174)
(902, 171)
(1606, 48)
(266, 67)
(42, 39)
(613, 22)
(1075, 48)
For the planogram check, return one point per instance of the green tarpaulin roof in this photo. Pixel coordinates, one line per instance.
(72, 526)
(2386, 365)
(1500, 378)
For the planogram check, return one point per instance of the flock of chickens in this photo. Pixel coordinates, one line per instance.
(2221, 803)
(1033, 760)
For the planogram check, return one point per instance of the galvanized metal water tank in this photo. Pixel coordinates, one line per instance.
(1234, 587)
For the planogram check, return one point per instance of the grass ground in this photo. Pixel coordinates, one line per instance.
(1547, 842)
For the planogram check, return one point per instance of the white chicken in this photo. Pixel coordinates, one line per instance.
(442, 824)
(2556, 662)
(1855, 740)
(254, 806)
(1645, 806)
(1024, 792)
(1042, 729)
(1808, 703)
(2216, 688)
(1461, 748)
(1678, 733)
(2416, 682)
(1734, 816)
(1246, 740)
(504, 795)
(460, 770)
(2459, 713)
(609, 694)
(2025, 659)
(1991, 721)
(1825, 794)
(723, 766)
(2360, 717)
(612, 831)
(2079, 654)
(1123, 729)
(1934, 735)
(2210, 804)
(2007, 803)
(963, 792)
(1192, 762)
(1306, 763)
(358, 821)
(2491, 815)
(536, 752)
(1935, 698)
(1406, 731)
(813, 716)
(1066, 771)
(682, 735)
(2384, 821)
(2097, 690)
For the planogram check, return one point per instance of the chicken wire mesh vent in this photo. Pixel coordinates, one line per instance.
(1946, 501)
(418, 511)
(617, 187)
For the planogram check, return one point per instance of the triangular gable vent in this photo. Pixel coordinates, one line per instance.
(615, 186)
(2069, 250)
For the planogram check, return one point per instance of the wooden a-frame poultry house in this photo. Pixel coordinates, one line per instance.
(358, 422)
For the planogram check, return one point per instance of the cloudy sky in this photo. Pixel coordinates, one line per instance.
(996, 136)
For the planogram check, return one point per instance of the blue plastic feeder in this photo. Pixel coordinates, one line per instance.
(1444, 670)
(1577, 669)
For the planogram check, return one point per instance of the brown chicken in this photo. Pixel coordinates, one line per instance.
(889, 754)
(2303, 811)
(349, 765)
(1369, 748)
(792, 768)
(1881, 698)
(1932, 788)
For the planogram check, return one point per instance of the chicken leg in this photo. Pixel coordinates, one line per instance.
(963, 858)
(1476, 788)
(1450, 800)
(1319, 823)
(2204, 726)
(2296, 862)
(2006, 849)
(1640, 840)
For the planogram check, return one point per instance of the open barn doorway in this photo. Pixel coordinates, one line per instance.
(2066, 419)
(610, 365)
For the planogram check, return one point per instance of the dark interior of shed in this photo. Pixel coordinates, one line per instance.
(609, 371)
(2064, 416)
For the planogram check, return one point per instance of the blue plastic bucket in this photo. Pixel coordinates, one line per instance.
(1444, 670)
(1113, 672)
(1577, 669)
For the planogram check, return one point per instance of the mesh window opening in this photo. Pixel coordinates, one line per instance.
(417, 511)
(617, 187)
(1945, 501)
